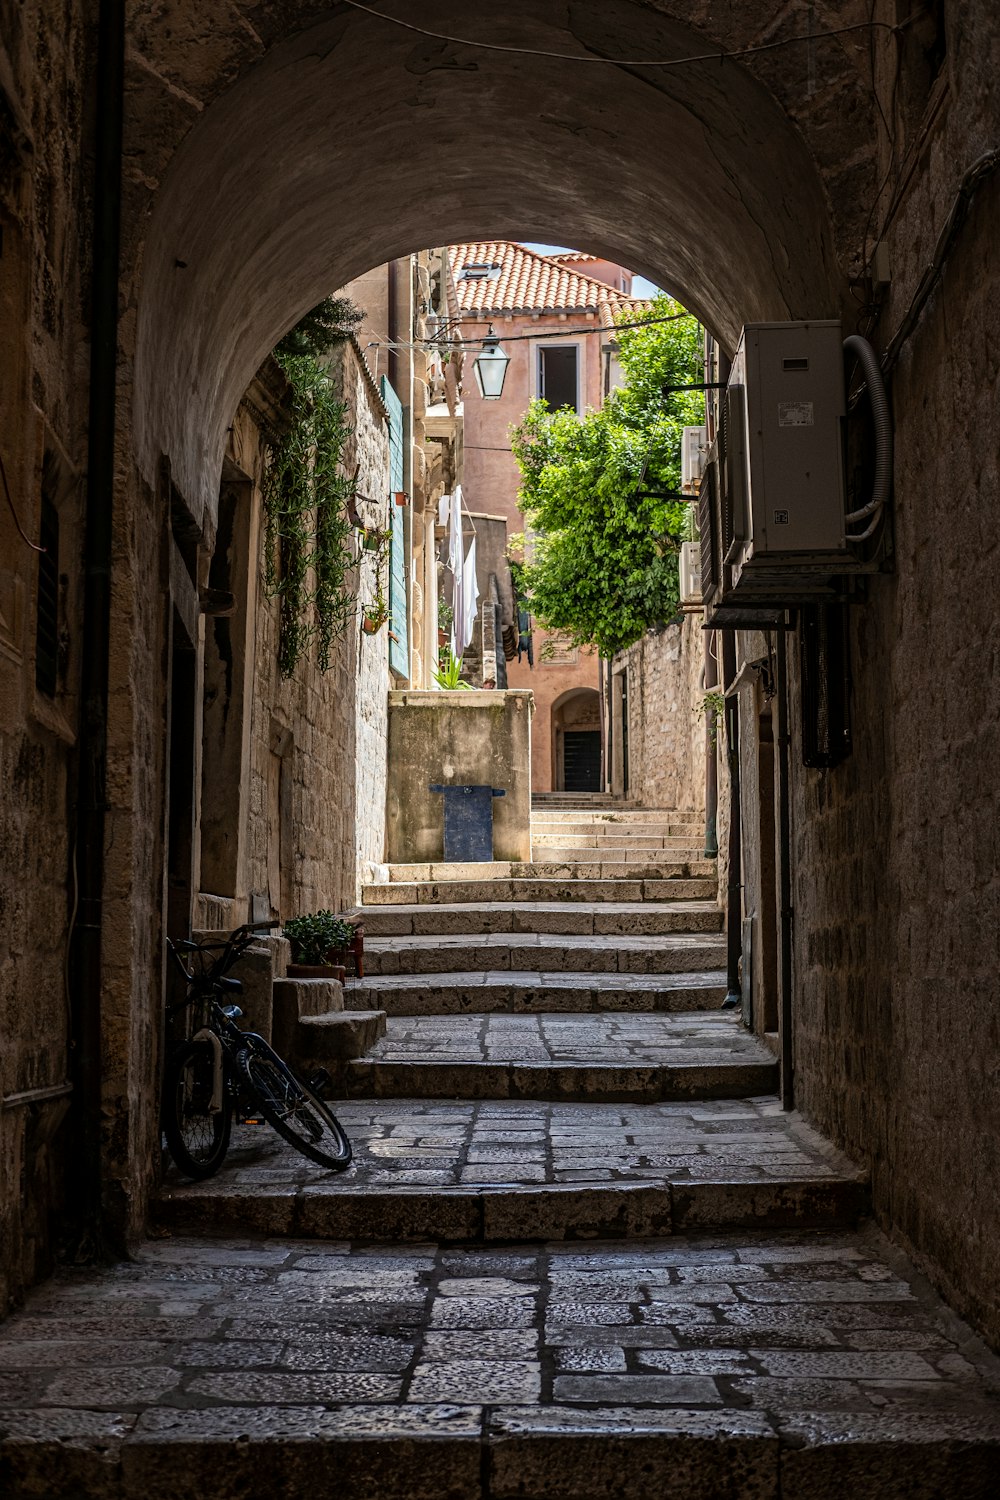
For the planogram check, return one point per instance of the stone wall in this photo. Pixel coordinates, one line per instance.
(472, 737)
(42, 411)
(315, 756)
(666, 728)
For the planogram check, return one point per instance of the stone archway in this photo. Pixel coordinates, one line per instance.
(274, 151)
(283, 174)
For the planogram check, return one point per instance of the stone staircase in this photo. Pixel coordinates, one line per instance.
(582, 1253)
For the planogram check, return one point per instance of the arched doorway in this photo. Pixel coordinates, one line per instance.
(578, 762)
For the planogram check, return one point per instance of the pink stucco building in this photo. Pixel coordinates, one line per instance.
(554, 315)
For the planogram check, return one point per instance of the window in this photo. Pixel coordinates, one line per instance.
(47, 618)
(558, 382)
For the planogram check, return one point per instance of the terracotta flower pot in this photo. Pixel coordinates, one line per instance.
(316, 971)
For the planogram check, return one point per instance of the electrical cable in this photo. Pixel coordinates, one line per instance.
(17, 522)
(625, 62)
(549, 333)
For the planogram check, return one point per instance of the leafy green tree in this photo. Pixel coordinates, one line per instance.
(604, 568)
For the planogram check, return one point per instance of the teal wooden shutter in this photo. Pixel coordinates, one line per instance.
(399, 649)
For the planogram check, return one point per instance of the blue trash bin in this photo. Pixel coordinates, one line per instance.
(468, 822)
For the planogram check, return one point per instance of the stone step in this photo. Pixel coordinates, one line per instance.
(506, 1171)
(447, 892)
(613, 824)
(525, 992)
(335, 1038)
(645, 867)
(641, 1059)
(615, 838)
(745, 1367)
(442, 953)
(578, 918)
(608, 859)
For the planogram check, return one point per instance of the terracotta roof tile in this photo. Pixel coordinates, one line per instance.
(630, 306)
(524, 281)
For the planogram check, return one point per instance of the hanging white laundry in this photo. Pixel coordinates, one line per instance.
(455, 549)
(470, 597)
(455, 561)
(444, 510)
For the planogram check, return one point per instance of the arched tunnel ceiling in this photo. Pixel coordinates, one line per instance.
(354, 142)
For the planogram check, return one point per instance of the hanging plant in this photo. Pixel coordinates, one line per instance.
(308, 548)
(375, 614)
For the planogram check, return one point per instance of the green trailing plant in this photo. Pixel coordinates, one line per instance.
(308, 548)
(316, 934)
(713, 702)
(449, 672)
(604, 554)
(446, 615)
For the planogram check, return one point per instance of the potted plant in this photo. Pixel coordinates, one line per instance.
(446, 616)
(449, 672)
(320, 941)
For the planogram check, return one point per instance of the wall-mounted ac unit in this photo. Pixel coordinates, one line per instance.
(689, 569)
(693, 444)
(771, 502)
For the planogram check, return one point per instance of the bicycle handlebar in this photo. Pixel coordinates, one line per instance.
(228, 950)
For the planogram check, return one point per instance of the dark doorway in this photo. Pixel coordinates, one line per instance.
(582, 760)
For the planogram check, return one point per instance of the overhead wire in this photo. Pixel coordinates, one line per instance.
(515, 338)
(623, 62)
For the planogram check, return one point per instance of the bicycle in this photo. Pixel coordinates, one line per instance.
(221, 1071)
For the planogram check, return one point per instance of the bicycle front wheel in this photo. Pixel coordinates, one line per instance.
(197, 1130)
(298, 1114)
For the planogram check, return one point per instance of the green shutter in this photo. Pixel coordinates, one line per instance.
(399, 649)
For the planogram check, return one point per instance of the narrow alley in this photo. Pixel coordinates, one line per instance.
(582, 1251)
(499, 859)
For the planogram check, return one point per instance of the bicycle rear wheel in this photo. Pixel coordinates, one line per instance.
(197, 1135)
(289, 1105)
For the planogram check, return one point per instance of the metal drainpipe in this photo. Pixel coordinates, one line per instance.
(711, 752)
(784, 882)
(609, 738)
(734, 909)
(85, 964)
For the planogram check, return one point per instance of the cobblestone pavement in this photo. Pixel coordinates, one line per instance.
(441, 1143)
(594, 1039)
(771, 1339)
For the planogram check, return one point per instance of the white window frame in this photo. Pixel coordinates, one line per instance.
(558, 343)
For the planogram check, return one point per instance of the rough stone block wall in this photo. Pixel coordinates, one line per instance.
(327, 729)
(898, 900)
(666, 728)
(42, 410)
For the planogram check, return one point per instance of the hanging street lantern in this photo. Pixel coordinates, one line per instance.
(490, 366)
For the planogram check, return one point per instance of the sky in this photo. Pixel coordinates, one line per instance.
(640, 286)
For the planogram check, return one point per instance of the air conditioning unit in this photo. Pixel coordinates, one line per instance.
(693, 442)
(690, 576)
(771, 501)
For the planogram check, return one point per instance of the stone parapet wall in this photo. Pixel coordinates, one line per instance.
(475, 737)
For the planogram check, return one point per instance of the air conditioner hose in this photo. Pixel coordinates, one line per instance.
(868, 359)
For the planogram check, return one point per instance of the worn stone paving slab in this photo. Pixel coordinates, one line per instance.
(433, 1371)
(460, 1169)
(571, 1056)
(640, 1039)
(442, 953)
(517, 889)
(581, 918)
(525, 991)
